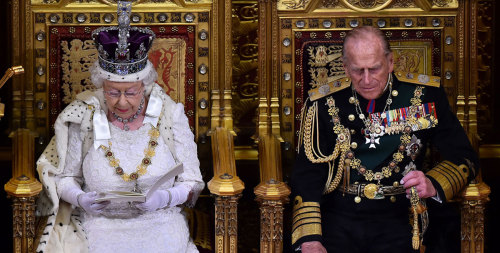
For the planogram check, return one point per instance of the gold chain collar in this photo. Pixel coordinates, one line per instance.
(342, 146)
(397, 157)
(149, 153)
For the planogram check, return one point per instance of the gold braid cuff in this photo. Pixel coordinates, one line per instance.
(306, 219)
(451, 177)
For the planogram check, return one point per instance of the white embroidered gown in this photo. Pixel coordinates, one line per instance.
(122, 227)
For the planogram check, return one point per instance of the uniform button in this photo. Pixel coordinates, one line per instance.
(357, 199)
(395, 93)
(395, 184)
(351, 117)
(393, 199)
(352, 100)
(354, 145)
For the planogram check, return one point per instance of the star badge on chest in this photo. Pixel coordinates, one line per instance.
(373, 134)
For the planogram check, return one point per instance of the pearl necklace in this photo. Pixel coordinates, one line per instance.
(132, 118)
(373, 128)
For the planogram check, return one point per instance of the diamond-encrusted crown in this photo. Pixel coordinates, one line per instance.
(123, 49)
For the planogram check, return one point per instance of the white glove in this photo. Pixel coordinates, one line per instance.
(165, 198)
(86, 201)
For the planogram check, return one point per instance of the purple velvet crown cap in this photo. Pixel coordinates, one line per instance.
(123, 49)
(108, 39)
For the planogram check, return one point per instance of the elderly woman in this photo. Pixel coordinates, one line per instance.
(122, 137)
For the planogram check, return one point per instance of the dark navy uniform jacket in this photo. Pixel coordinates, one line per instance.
(438, 127)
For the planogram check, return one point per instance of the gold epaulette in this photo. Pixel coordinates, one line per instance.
(426, 80)
(331, 87)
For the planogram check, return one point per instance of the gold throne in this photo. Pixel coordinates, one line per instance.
(429, 37)
(57, 52)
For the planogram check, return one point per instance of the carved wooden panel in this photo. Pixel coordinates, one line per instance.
(245, 79)
(487, 111)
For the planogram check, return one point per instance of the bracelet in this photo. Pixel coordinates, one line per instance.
(169, 198)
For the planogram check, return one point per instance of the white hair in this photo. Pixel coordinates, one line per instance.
(148, 76)
(362, 33)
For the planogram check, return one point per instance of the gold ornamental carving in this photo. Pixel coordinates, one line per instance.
(271, 196)
(403, 4)
(366, 5)
(475, 196)
(330, 4)
(294, 5)
(442, 3)
(108, 2)
(271, 223)
(485, 31)
(472, 233)
(245, 82)
(23, 223)
(226, 223)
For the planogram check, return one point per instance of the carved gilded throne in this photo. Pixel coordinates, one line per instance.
(51, 39)
(431, 37)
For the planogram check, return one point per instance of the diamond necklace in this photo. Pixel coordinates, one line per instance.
(132, 118)
(373, 127)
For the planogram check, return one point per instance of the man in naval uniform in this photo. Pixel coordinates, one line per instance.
(358, 183)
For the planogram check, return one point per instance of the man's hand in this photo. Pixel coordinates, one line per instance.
(312, 247)
(423, 185)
